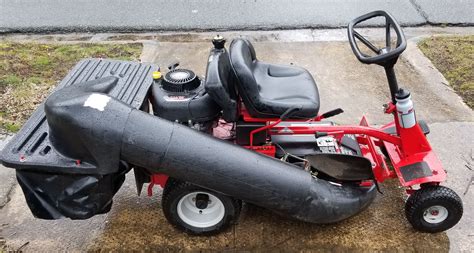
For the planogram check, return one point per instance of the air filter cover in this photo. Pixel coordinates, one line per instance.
(180, 80)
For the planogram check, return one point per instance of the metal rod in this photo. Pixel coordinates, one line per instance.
(392, 81)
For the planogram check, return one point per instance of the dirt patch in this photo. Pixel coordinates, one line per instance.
(179, 37)
(29, 72)
(137, 224)
(453, 56)
(2, 245)
(130, 37)
(78, 38)
(3, 242)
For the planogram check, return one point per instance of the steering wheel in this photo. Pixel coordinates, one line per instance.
(383, 56)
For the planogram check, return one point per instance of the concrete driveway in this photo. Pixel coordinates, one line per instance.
(137, 223)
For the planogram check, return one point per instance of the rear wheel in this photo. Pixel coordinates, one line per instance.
(196, 210)
(433, 209)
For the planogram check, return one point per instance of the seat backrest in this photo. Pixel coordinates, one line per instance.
(242, 57)
(220, 83)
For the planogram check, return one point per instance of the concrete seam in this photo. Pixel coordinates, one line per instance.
(420, 10)
(313, 37)
(423, 14)
(8, 196)
(76, 29)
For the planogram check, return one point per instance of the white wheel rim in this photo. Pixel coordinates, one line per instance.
(435, 214)
(201, 218)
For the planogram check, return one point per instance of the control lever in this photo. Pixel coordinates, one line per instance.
(331, 113)
(290, 111)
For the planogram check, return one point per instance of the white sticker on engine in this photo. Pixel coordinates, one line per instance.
(97, 101)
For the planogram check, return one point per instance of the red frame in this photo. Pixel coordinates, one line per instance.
(407, 147)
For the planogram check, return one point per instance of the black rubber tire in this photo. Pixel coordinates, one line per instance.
(429, 196)
(174, 190)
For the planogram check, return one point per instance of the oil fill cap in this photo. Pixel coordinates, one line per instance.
(156, 75)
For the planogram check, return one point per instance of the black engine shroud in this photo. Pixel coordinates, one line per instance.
(180, 96)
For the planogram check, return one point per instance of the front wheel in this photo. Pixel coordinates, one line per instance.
(196, 210)
(433, 209)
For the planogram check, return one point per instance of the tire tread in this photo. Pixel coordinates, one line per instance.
(428, 194)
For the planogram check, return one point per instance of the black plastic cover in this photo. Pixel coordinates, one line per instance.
(75, 196)
(220, 83)
(416, 170)
(62, 174)
(243, 130)
(342, 166)
(195, 105)
(180, 80)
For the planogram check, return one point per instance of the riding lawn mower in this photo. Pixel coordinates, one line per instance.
(250, 131)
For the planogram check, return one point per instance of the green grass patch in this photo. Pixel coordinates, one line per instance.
(41, 62)
(11, 127)
(453, 56)
(29, 72)
(10, 80)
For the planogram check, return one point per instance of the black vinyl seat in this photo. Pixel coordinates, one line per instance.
(268, 90)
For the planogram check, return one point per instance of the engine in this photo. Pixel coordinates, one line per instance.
(180, 96)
